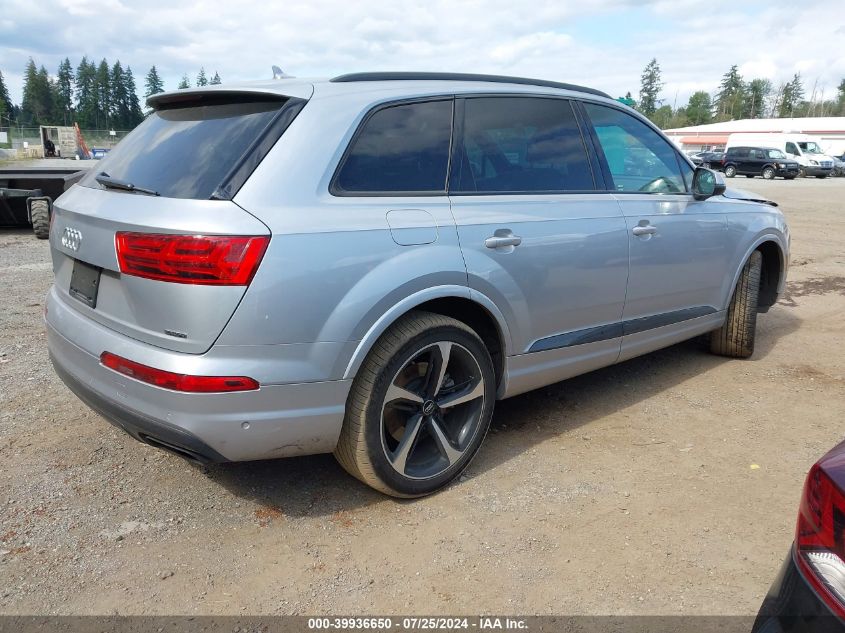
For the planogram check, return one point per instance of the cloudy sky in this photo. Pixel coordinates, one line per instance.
(602, 43)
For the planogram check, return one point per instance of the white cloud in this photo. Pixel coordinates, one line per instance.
(553, 39)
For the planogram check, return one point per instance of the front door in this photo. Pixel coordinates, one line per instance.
(679, 247)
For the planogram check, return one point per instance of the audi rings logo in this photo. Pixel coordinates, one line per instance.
(71, 239)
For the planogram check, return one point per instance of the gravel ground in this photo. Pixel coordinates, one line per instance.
(668, 484)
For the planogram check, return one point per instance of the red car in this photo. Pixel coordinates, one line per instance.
(809, 592)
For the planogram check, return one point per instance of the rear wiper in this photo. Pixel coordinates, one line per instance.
(115, 183)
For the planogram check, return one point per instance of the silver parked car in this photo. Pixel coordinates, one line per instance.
(364, 265)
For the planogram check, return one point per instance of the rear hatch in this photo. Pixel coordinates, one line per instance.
(169, 268)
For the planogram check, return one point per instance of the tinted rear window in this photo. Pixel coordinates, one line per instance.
(186, 152)
(399, 149)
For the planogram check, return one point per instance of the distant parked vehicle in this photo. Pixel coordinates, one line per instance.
(839, 165)
(805, 149)
(759, 161)
(712, 160)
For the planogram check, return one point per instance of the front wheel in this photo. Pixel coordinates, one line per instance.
(730, 171)
(736, 337)
(419, 407)
(768, 173)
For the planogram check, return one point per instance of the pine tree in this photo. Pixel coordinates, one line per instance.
(698, 110)
(731, 94)
(201, 79)
(756, 93)
(7, 109)
(184, 83)
(134, 106)
(791, 95)
(650, 88)
(215, 80)
(38, 96)
(118, 98)
(86, 94)
(153, 83)
(64, 92)
(102, 89)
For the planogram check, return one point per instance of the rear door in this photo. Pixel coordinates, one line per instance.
(172, 290)
(540, 236)
(679, 247)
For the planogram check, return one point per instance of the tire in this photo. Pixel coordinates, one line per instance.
(40, 211)
(768, 173)
(730, 171)
(822, 176)
(398, 435)
(736, 337)
(802, 173)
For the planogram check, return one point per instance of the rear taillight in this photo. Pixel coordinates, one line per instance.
(191, 259)
(820, 538)
(174, 381)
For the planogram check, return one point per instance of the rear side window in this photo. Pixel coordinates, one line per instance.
(521, 145)
(639, 159)
(399, 149)
(186, 152)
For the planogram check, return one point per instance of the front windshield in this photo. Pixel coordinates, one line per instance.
(810, 147)
(775, 153)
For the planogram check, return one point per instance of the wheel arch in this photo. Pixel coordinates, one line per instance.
(773, 275)
(468, 306)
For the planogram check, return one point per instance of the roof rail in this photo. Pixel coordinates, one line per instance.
(424, 76)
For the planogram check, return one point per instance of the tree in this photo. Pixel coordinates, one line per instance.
(699, 108)
(86, 93)
(64, 92)
(841, 97)
(102, 88)
(730, 96)
(6, 107)
(201, 79)
(118, 98)
(184, 83)
(215, 80)
(662, 117)
(650, 86)
(134, 106)
(791, 95)
(38, 103)
(153, 83)
(756, 93)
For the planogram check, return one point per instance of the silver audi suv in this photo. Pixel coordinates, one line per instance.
(364, 265)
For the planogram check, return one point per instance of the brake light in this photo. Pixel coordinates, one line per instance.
(174, 381)
(819, 544)
(191, 259)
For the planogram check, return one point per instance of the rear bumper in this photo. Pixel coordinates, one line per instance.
(792, 605)
(274, 421)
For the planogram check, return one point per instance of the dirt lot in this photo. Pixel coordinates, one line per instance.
(665, 485)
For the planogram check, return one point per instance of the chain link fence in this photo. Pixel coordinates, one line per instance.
(26, 142)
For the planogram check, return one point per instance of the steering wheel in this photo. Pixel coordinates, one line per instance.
(660, 185)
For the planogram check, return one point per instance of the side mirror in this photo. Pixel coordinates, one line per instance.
(707, 183)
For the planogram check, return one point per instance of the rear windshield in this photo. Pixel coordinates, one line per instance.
(186, 152)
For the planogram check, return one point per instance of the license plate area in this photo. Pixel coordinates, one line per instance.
(85, 283)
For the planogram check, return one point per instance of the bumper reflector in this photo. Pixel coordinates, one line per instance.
(174, 381)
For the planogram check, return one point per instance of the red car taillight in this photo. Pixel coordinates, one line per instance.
(820, 538)
(177, 382)
(191, 259)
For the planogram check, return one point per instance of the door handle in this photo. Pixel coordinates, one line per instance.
(644, 230)
(498, 241)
